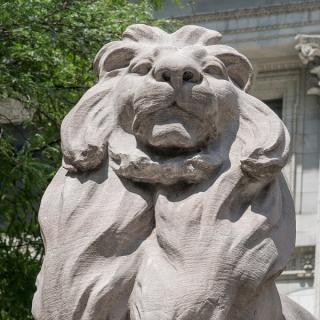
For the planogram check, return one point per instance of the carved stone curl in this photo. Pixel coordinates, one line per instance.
(309, 53)
(170, 203)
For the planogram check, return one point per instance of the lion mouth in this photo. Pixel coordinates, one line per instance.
(171, 128)
(164, 154)
(149, 109)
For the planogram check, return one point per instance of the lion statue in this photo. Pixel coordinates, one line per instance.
(170, 204)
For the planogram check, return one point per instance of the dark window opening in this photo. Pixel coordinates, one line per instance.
(276, 106)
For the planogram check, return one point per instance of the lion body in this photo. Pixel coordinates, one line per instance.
(171, 204)
(122, 268)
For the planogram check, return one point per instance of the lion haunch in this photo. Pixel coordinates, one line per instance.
(170, 204)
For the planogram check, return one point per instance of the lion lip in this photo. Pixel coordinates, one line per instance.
(182, 107)
(159, 107)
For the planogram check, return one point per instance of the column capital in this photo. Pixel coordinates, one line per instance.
(308, 47)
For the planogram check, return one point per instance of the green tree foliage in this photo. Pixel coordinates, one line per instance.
(46, 53)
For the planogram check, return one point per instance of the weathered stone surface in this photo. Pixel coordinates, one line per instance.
(12, 111)
(309, 53)
(170, 203)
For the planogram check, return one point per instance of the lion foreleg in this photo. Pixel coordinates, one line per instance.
(93, 225)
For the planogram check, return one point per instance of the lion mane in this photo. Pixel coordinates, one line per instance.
(170, 203)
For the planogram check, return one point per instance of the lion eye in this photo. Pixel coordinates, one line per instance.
(214, 70)
(141, 68)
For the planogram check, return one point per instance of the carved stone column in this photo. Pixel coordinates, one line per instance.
(317, 260)
(309, 53)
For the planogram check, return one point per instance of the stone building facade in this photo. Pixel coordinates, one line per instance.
(282, 40)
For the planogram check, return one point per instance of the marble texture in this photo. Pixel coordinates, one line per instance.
(170, 203)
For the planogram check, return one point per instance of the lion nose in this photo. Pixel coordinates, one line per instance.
(177, 72)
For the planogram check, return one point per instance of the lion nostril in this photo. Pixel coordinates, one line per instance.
(166, 76)
(187, 76)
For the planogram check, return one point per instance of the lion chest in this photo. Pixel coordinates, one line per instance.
(185, 225)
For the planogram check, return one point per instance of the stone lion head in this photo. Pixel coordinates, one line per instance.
(171, 204)
(170, 107)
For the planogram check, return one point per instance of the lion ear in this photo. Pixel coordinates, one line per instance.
(239, 68)
(97, 63)
(114, 55)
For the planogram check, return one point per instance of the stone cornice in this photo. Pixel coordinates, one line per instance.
(250, 12)
(271, 27)
(278, 64)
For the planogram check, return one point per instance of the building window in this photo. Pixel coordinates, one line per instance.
(276, 106)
